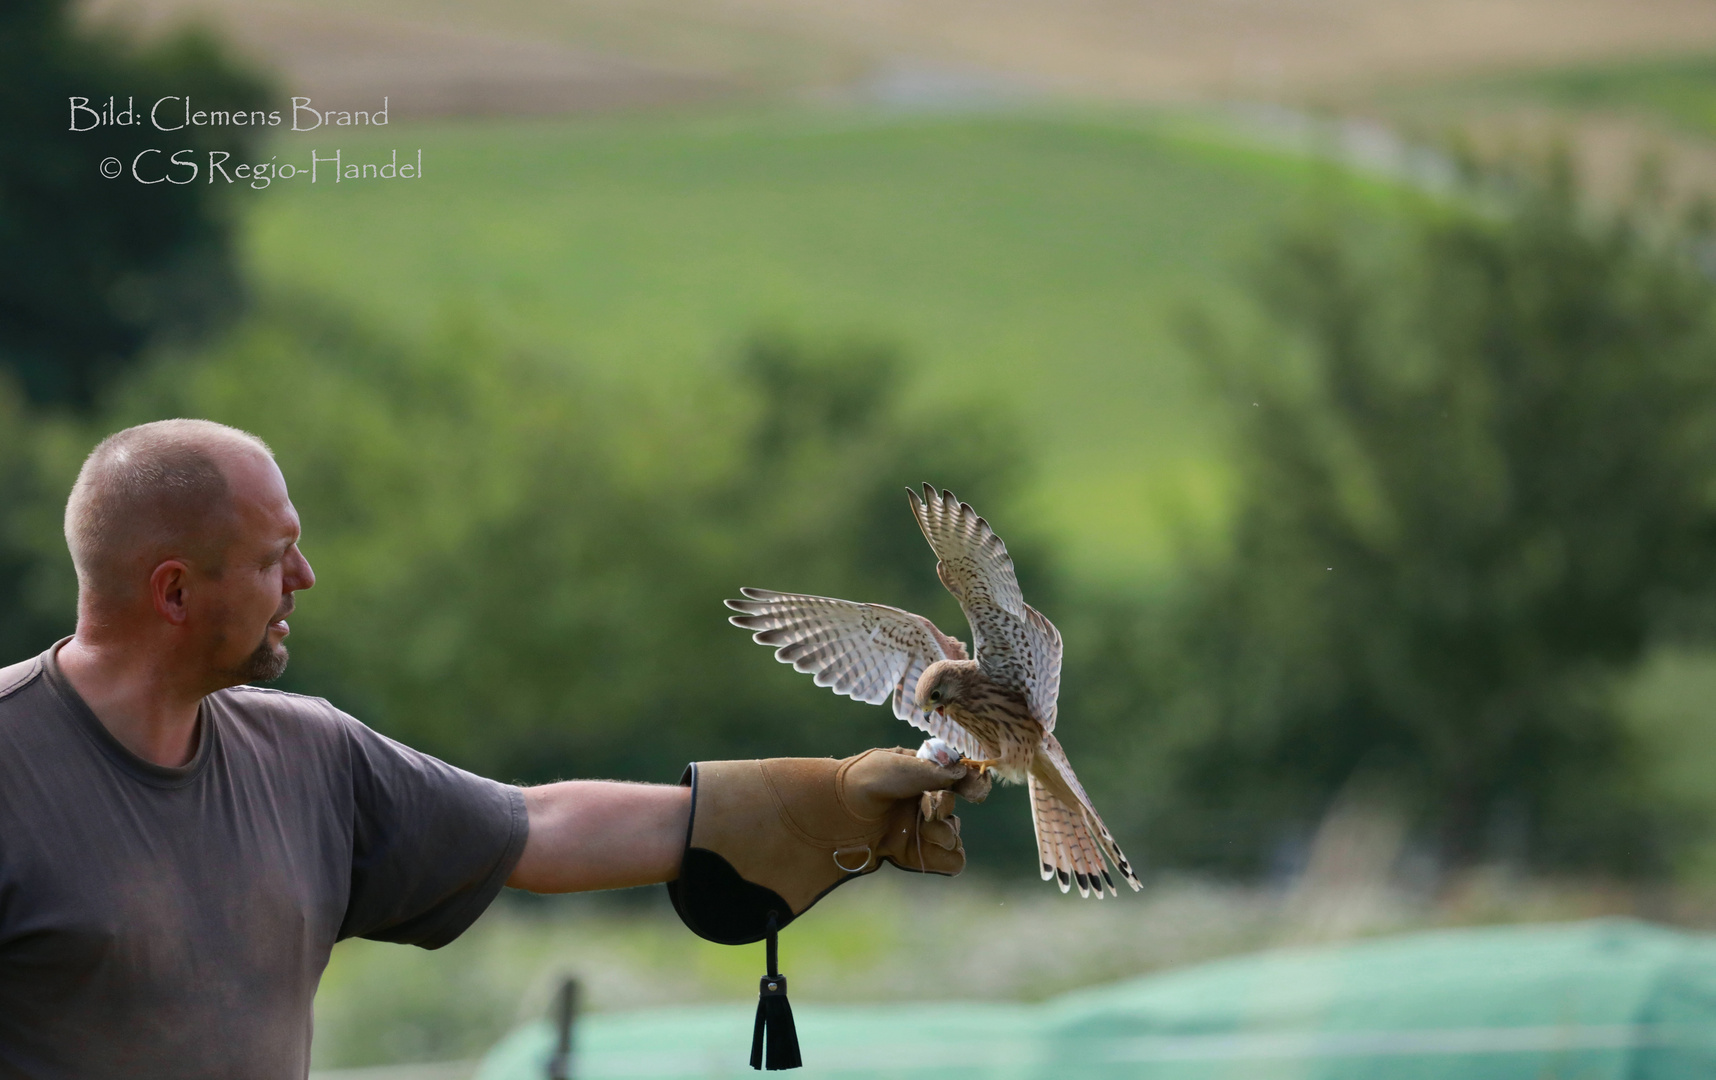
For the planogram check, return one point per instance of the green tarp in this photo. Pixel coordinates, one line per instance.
(1603, 1000)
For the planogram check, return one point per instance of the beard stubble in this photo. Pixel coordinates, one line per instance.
(265, 664)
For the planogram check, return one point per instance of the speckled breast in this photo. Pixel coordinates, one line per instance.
(1006, 732)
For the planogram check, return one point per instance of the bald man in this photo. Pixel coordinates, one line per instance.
(179, 851)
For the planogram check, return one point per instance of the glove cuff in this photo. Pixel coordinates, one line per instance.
(713, 899)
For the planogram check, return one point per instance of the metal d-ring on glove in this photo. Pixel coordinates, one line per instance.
(770, 838)
(863, 863)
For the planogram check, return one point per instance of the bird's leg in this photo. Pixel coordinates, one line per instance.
(979, 766)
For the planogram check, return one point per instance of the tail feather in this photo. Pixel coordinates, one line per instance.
(1067, 849)
(1046, 859)
(1093, 859)
(1070, 835)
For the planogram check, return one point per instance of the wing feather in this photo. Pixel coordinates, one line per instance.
(1014, 642)
(868, 652)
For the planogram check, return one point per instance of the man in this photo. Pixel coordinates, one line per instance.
(179, 851)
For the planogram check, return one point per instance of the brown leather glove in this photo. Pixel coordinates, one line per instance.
(772, 837)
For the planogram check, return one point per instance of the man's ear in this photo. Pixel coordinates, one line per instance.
(167, 586)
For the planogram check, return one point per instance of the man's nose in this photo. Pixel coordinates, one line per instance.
(298, 572)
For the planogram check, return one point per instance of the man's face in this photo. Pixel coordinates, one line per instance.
(247, 604)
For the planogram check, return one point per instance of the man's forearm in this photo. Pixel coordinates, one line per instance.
(598, 834)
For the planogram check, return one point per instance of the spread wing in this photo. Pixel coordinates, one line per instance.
(864, 651)
(1015, 644)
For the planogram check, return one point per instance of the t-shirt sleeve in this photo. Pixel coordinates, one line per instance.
(431, 844)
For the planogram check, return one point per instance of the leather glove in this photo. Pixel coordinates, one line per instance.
(772, 837)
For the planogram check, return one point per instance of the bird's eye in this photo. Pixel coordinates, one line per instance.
(935, 695)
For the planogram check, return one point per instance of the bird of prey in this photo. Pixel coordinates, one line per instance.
(997, 710)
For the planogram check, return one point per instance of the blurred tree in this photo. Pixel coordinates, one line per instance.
(1476, 465)
(589, 632)
(36, 591)
(98, 268)
(523, 572)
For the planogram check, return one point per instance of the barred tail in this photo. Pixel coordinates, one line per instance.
(1069, 851)
(1072, 841)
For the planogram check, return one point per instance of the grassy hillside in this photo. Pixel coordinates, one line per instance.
(1038, 261)
(1680, 90)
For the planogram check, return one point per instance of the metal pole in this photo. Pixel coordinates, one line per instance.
(565, 1013)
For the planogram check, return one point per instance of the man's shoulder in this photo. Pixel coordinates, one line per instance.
(15, 678)
(266, 699)
(282, 698)
(283, 713)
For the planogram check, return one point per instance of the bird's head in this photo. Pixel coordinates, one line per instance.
(944, 683)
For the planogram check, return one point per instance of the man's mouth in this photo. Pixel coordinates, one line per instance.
(280, 624)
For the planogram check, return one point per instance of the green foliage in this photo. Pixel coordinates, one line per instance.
(1477, 469)
(98, 268)
(523, 572)
(36, 587)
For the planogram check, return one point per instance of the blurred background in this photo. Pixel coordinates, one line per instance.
(1340, 373)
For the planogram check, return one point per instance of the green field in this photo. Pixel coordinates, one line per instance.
(1673, 92)
(1039, 261)
(1680, 90)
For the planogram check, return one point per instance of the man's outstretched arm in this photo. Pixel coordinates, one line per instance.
(601, 834)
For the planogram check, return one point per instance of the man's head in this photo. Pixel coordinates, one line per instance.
(182, 533)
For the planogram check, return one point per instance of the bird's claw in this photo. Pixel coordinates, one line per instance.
(974, 782)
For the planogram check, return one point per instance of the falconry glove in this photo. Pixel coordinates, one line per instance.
(770, 838)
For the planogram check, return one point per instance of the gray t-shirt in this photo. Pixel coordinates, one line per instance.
(160, 922)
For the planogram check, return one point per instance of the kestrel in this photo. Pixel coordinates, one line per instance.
(997, 710)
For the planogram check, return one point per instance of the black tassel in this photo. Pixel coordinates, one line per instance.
(774, 1016)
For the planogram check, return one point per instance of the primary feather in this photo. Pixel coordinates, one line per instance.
(869, 652)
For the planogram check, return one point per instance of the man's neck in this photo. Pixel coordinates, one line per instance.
(135, 697)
